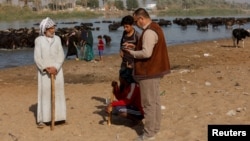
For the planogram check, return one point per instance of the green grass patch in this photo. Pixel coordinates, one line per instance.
(11, 13)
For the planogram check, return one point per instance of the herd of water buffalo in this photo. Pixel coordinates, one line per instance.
(24, 37)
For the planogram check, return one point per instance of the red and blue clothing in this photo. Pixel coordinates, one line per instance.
(100, 47)
(128, 100)
(100, 44)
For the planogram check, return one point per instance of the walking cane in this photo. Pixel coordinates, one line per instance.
(110, 114)
(52, 77)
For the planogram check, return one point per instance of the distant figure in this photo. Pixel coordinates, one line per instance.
(83, 42)
(100, 47)
(72, 46)
(88, 48)
(49, 58)
(107, 39)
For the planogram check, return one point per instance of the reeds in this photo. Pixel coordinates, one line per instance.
(11, 13)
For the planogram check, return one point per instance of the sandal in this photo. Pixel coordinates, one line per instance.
(41, 125)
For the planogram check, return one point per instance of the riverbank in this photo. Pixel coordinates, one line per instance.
(8, 14)
(208, 84)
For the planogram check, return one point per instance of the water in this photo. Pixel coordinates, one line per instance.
(174, 35)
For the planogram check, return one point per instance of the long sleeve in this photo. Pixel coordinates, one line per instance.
(48, 54)
(38, 55)
(150, 38)
(116, 92)
(60, 55)
(130, 95)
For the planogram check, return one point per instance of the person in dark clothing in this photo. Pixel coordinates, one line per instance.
(72, 47)
(130, 35)
(83, 42)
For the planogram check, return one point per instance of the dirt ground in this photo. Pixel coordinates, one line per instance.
(208, 84)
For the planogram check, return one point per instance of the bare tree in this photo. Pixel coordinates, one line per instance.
(9, 1)
(38, 4)
(54, 5)
(26, 3)
(86, 3)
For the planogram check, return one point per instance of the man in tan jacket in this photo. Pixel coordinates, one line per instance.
(151, 64)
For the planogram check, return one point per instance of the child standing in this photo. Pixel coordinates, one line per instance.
(130, 35)
(100, 47)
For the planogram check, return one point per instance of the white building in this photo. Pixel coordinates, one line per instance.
(150, 6)
(148, 3)
(11, 2)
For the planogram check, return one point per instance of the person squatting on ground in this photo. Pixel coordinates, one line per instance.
(128, 104)
(100, 47)
(49, 58)
(151, 63)
(130, 35)
(72, 45)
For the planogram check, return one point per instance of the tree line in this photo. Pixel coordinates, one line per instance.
(164, 4)
(189, 4)
(133, 4)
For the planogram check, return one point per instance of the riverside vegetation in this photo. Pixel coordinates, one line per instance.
(24, 13)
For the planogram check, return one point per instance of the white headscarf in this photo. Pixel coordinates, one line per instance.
(46, 23)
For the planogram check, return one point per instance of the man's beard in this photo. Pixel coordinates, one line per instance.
(50, 35)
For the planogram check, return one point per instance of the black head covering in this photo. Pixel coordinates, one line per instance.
(126, 74)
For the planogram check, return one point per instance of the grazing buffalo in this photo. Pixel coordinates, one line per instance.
(114, 26)
(216, 22)
(163, 22)
(239, 34)
(202, 24)
(229, 24)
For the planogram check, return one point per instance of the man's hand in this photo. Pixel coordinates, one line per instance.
(127, 45)
(51, 70)
(114, 84)
(121, 53)
(129, 65)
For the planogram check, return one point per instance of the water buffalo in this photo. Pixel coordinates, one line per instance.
(239, 34)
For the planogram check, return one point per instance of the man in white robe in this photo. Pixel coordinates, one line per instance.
(49, 58)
